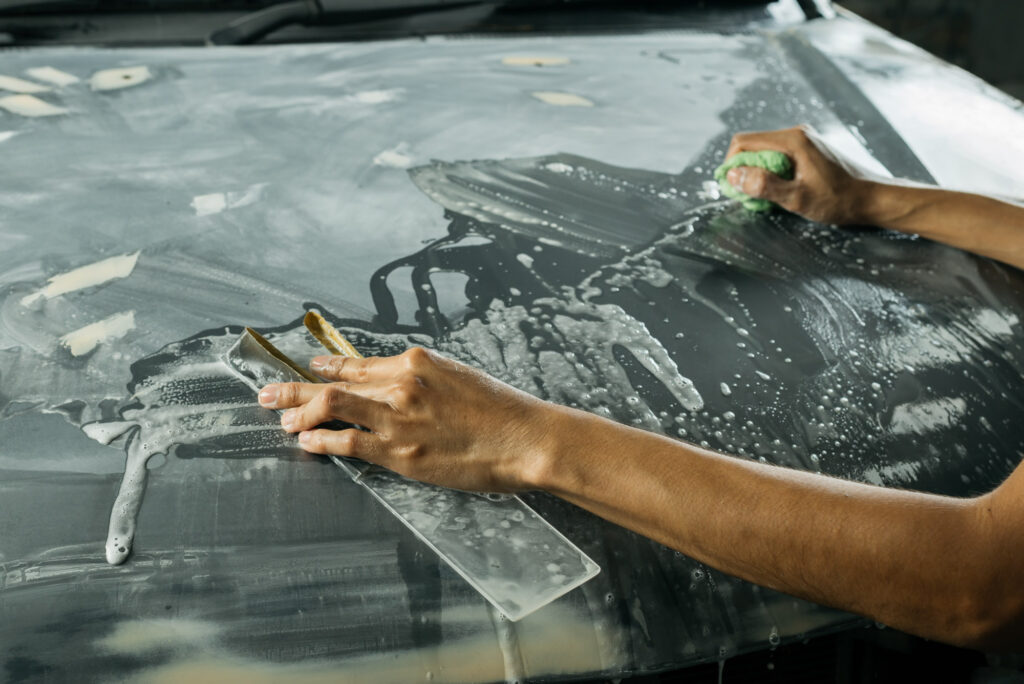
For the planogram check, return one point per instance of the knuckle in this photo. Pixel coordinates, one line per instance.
(407, 390)
(363, 371)
(292, 393)
(348, 441)
(337, 364)
(417, 358)
(410, 455)
(332, 395)
(401, 396)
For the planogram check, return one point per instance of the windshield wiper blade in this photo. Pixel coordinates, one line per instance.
(255, 26)
(252, 27)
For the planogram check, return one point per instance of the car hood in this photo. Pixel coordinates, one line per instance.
(536, 206)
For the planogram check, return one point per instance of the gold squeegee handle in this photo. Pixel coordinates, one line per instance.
(328, 336)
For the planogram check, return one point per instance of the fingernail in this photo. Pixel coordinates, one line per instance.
(268, 395)
(319, 363)
(287, 420)
(304, 437)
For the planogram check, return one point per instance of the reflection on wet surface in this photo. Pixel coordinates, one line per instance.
(590, 279)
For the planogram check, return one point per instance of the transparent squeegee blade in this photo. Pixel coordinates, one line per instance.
(511, 555)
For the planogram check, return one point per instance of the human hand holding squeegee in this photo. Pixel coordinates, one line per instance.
(941, 567)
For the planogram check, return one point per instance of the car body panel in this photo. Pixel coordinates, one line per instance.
(429, 192)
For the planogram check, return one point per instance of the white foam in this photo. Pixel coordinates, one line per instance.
(20, 85)
(397, 157)
(213, 203)
(139, 637)
(216, 202)
(927, 416)
(50, 75)
(84, 340)
(29, 105)
(118, 79)
(560, 99)
(376, 96)
(535, 61)
(83, 277)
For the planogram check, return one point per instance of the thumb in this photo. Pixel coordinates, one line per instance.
(759, 183)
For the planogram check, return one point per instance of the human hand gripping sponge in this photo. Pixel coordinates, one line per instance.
(770, 160)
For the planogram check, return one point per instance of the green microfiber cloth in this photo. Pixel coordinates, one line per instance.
(773, 161)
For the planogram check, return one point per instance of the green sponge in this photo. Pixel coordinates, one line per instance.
(771, 160)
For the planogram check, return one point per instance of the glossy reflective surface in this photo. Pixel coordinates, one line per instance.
(422, 193)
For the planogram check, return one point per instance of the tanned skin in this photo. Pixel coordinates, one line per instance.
(944, 568)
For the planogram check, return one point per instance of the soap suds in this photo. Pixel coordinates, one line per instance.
(397, 157)
(142, 637)
(531, 61)
(926, 417)
(83, 277)
(50, 75)
(184, 396)
(562, 99)
(376, 96)
(216, 202)
(84, 340)
(117, 79)
(20, 85)
(30, 106)
(525, 259)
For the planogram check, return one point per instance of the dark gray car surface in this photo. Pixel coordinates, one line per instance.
(537, 206)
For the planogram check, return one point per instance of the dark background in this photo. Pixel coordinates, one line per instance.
(982, 36)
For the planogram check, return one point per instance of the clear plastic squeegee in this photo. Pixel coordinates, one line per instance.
(501, 546)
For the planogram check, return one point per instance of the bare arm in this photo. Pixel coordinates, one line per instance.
(940, 567)
(825, 189)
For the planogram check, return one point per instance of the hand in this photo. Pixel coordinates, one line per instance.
(823, 187)
(430, 418)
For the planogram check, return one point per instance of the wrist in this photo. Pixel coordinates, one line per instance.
(867, 202)
(889, 205)
(548, 462)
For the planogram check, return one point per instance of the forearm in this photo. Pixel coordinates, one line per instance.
(909, 560)
(974, 223)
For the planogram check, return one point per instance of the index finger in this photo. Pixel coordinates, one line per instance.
(349, 369)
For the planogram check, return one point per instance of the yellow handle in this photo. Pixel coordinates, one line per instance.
(328, 336)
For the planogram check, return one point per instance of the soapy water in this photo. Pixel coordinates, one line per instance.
(497, 543)
(184, 400)
(809, 307)
(848, 371)
(764, 337)
(806, 345)
(860, 354)
(848, 347)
